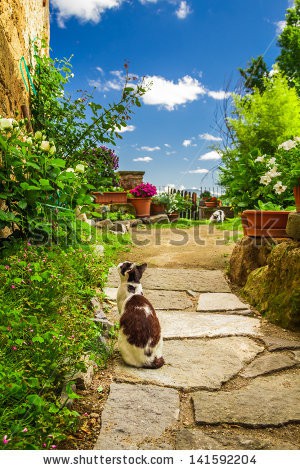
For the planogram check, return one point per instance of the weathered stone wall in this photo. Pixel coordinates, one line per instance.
(270, 274)
(21, 21)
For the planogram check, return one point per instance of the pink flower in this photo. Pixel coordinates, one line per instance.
(25, 430)
(14, 348)
(7, 267)
(28, 244)
(44, 445)
(53, 447)
(5, 440)
(13, 286)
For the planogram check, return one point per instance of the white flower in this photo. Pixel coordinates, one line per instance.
(273, 172)
(297, 139)
(272, 161)
(38, 135)
(45, 145)
(266, 179)
(6, 123)
(80, 168)
(29, 140)
(260, 159)
(70, 170)
(52, 150)
(72, 75)
(279, 188)
(288, 145)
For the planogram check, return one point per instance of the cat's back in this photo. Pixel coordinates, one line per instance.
(139, 322)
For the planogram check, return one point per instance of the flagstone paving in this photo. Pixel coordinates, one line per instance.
(230, 380)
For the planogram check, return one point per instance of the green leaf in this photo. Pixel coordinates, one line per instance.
(22, 204)
(38, 339)
(36, 277)
(58, 162)
(36, 400)
(70, 392)
(100, 389)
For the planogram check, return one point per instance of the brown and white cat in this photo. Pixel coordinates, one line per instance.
(140, 341)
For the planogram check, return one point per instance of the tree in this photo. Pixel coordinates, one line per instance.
(289, 42)
(260, 122)
(265, 120)
(254, 74)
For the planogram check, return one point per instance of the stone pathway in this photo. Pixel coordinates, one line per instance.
(231, 380)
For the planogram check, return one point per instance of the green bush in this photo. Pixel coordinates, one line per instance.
(46, 328)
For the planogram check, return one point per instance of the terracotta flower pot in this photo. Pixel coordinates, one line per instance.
(297, 197)
(173, 216)
(158, 209)
(211, 203)
(270, 224)
(110, 197)
(141, 205)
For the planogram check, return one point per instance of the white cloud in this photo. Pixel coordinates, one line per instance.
(144, 2)
(84, 10)
(167, 145)
(213, 155)
(219, 95)
(186, 159)
(149, 149)
(187, 143)
(143, 159)
(210, 137)
(280, 25)
(198, 171)
(129, 128)
(183, 10)
(168, 94)
(170, 153)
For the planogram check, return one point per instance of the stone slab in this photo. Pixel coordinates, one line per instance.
(134, 414)
(269, 362)
(195, 363)
(227, 439)
(160, 299)
(275, 343)
(178, 279)
(265, 401)
(216, 302)
(177, 324)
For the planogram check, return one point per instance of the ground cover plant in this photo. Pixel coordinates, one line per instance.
(46, 329)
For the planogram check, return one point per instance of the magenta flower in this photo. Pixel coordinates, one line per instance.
(7, 267)
(13, 286)
(25, 430)
(14, 348)
(44, 444)
(53, 447)
(144, 190)
(5, 440)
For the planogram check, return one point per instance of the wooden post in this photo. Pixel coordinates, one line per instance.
(26, 115)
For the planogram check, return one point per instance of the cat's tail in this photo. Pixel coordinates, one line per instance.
(156, 363)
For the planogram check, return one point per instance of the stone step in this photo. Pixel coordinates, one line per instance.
(160, 299)
(134, 415)
(195, 363)
(178, 279)
(265, 401)
(216, 302)
(178, 324)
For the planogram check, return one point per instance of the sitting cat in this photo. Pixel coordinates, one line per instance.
(140, 341)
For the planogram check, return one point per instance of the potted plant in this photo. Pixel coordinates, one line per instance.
(279, 173)
(140, 197)
(176, 204)
(110, 195)
(204, 196)
(159, 204)
(211, 202)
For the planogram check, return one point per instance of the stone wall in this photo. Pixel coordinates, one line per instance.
(130, 179)
(21, 21)
(270, 273)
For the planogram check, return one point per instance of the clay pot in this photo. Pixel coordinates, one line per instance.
(158, 209)
(173, 216)
(270, 224)
(211, 203)
(110, 197)
(297, 197)
(141, 205)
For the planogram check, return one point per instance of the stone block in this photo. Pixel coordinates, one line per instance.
(293, 225)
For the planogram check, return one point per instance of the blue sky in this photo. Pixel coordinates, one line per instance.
(190, 50)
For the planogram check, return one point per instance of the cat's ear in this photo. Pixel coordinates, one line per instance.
(142, 268)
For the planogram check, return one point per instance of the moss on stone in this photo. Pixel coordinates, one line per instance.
(275, 289)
